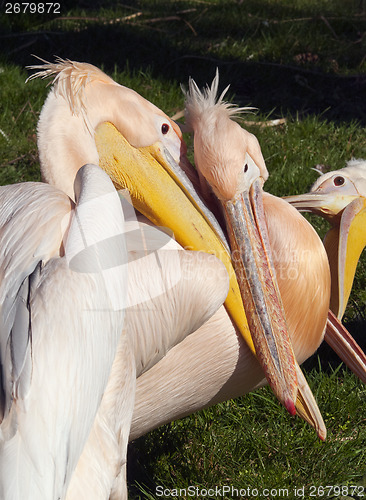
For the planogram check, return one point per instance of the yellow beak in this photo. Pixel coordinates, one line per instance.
(343, 258)
(159, 194)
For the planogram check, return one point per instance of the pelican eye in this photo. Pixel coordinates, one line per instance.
(246, 168)
(338, 181)
(165, 128)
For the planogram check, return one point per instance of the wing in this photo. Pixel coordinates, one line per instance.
(33, 220)
(76, 309)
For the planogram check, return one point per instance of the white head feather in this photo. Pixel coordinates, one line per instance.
(199, 102)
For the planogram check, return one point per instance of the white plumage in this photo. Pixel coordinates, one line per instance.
(60, 326)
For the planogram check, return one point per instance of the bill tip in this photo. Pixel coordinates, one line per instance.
(322, 435)
(290, 407)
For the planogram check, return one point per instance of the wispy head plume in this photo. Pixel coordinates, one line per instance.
(203, 101)
(69, 80)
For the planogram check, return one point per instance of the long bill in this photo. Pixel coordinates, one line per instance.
(344, 257)
(157, 193)
(263, 306)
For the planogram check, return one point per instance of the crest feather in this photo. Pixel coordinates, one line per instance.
(199, 102)
(69, 79)
(355, 162)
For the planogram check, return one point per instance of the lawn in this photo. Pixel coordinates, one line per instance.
(301, 61)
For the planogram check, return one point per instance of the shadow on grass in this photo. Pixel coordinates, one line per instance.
(143, 454)
(273, 88)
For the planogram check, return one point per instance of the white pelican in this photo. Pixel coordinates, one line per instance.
(193, 375)
(147, 342)
(63, 293)
(340, 197)
(300, 264)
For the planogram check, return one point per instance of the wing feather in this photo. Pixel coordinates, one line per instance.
(28, 238)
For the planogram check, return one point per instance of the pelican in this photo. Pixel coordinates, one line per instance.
(340, 197)
(298, 263)
(79, 102)
(59, 296)
(193, 375)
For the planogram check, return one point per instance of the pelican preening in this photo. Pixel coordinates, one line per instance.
(177, 374)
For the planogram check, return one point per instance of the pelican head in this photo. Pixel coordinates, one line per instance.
(340, 197)
(83, 97)
(230, 164)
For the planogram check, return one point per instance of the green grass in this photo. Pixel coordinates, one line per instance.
(252, 443)
(302, 60)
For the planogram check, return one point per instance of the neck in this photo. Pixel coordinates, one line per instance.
(65, 144)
